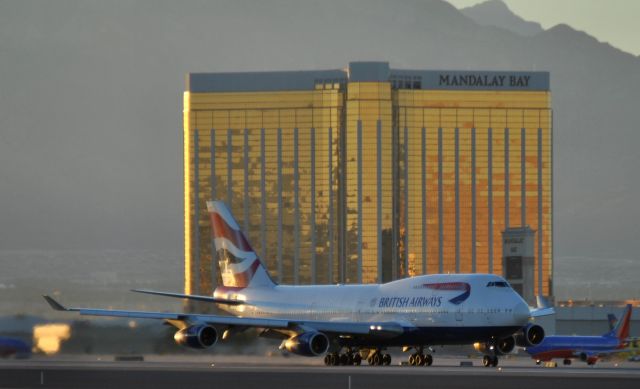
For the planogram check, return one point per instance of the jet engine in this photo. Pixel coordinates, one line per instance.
(590, 359)
(500, 347)
(198, 336)
(308, 344)
(529, 335)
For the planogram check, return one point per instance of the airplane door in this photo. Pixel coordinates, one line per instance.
(459, 315)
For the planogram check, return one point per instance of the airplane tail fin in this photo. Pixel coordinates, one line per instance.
(239, 264)
(621, 329)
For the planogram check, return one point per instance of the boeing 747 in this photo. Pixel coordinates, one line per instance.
(347, 323)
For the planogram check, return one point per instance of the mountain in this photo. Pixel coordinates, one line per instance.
(91, 107)
(496, 13)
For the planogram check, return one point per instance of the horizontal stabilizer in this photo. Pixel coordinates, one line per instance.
(190, 297)
(54, 304)
(544, 307)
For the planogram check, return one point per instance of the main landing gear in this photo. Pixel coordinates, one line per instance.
(490, 361)
(346, 359)
(354, 358)
(376, 358)
(420, 359)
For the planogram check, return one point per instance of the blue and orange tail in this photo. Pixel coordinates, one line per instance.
(240, 266)
(621, 329)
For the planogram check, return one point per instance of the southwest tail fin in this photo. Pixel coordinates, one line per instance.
(621, 329)
(239, 264)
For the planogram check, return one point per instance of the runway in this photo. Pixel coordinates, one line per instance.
(301, 373)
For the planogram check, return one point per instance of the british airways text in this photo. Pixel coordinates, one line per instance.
(404, 302)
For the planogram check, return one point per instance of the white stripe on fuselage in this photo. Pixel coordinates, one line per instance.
(400, 301)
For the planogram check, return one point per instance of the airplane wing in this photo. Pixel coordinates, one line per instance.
(190, 297)
(382, 329)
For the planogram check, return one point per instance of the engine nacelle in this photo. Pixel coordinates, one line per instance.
(530, 335)
(308, 344)
(590, 359)
(199, 336)
(500, 347)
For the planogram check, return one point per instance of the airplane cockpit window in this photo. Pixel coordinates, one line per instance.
(498, 284)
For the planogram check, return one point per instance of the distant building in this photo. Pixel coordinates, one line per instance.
(369, 174)
(518, 262)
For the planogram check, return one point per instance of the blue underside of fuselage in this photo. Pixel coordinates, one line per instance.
(435, 336)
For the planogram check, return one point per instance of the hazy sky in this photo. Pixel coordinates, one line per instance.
(613, 21)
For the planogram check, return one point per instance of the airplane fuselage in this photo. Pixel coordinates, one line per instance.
(573, 346)
(433, 309)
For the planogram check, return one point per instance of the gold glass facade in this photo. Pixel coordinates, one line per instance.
(478, 163)
(366, 175)
(274, 159)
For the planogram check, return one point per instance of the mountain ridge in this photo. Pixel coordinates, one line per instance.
(497, 13)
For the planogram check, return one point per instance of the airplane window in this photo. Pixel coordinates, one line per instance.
(498, 284)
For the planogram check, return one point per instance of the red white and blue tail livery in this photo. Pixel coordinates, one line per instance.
(347, 323)
(239, 264)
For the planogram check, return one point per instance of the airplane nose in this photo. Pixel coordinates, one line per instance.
(521, 313)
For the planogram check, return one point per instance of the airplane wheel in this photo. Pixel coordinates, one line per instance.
(494, 361)
(412, 360)
(419, 360)
(566, 362)
(428, 360)
(357, 359)
(377, 359)
(327, 360)
(344, 359)
(335, 359)
(386, 359)
(486, 361)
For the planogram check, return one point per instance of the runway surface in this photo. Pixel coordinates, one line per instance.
(301, 373)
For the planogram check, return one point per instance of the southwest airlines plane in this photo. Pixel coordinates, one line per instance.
(347, 323)
(586, 348)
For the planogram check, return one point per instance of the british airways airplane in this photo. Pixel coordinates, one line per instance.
(347, 323)
(587, 348)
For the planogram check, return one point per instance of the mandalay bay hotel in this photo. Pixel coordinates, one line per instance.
(368, 174)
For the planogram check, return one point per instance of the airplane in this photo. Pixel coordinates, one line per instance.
(346, 323)
(586, 348)
(12, 347)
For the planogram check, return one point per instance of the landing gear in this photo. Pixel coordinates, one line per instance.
(428, 360)
(490, 361)
(349, 358)
(566, 362)
(331, 359)
(420, 359)
(376, 358)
